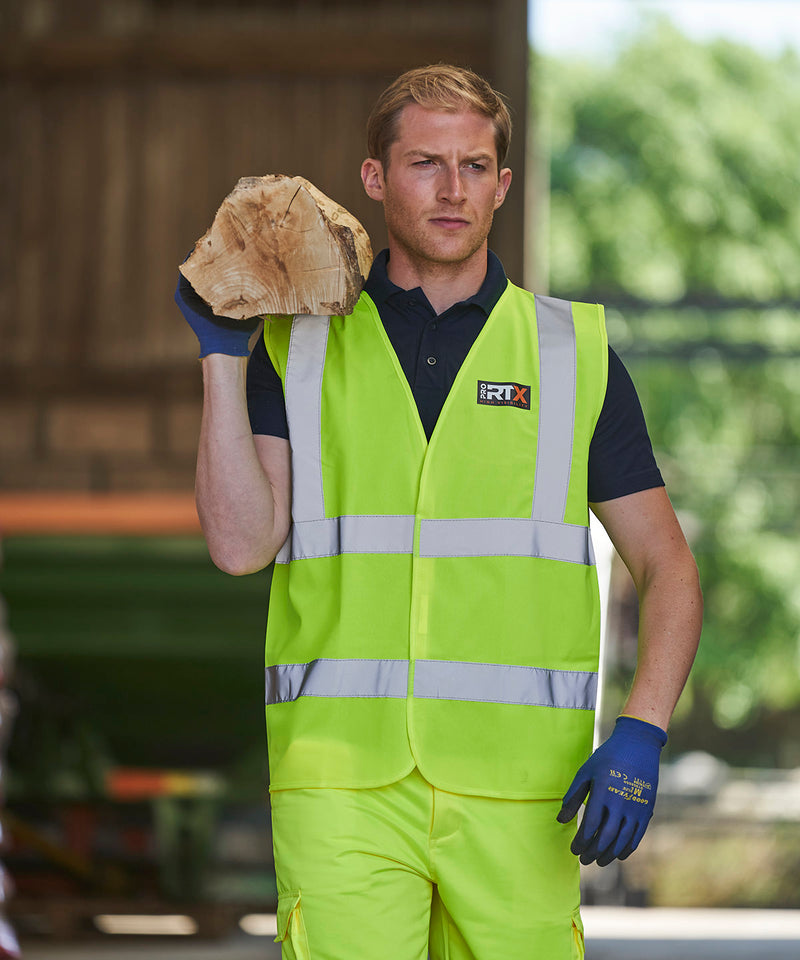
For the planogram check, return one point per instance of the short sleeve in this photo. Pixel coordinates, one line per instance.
(266, 406)
(621, 459)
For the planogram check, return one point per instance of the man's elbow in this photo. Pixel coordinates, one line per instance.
(689, 572)
(697, 587)
(238, 561)
(237, 566)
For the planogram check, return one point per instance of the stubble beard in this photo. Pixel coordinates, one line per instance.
(422, 246)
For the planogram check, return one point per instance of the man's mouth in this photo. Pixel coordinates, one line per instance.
(449, 223)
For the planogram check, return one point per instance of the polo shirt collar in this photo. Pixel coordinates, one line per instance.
(380, 288)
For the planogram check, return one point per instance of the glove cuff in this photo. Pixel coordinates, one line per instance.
(642, 730)
(230, 346)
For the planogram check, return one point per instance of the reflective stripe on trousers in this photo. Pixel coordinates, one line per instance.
(433, 680)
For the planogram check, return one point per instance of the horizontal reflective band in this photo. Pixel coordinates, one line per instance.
(353, 534)
(489, 537)
(506, 537)
(498, 683)
(336, 678)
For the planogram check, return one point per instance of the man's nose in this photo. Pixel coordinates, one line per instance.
(451, 187)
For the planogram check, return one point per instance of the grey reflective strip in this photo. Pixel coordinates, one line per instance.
(303, 390)
(505, 537)
(433, 680)
(498, 683)
(545, 535)
(351, 534)
(336, 678)
(284, 555)
(557, 383)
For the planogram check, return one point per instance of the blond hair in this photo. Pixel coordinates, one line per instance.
(436, 87)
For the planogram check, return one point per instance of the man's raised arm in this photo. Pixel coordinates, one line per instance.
(243, 482)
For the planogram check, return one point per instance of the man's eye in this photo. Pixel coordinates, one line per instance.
(423, 163)
(477, 166)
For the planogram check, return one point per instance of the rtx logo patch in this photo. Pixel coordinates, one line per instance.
(504, 394)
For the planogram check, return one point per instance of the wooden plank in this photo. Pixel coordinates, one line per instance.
(163, 163)
(134, 514)
(365, 49)
(117, 284)
(72, 235)
(509, 74)
(26, 220)
(158, 381)
(10, 203)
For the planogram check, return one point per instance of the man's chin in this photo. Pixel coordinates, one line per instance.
(452, 250)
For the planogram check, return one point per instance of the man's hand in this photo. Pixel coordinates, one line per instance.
(216, 334)
(621, 778)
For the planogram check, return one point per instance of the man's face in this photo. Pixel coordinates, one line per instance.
(442, 184)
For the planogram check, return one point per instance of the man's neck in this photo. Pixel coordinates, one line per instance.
(442, 283)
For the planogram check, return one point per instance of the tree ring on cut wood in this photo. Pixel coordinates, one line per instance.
(278, 245)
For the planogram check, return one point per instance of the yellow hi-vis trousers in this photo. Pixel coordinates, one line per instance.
(394, 872)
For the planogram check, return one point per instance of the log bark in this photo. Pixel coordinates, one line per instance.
(278, 245)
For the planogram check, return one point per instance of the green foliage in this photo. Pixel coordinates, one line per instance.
(726, 434)
(674, 176)
(674, 170)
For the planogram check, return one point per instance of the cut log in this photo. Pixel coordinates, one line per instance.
(279, 245)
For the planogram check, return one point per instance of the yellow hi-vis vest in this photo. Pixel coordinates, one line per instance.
(436, 603)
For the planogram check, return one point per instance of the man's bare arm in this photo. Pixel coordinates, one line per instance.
(648, 537)
(243, 482)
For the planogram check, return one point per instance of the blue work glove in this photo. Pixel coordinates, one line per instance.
(621, 778)
(216, 334)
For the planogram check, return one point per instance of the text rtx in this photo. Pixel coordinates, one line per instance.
(504, 394)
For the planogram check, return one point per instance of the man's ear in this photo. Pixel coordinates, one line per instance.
(372, 178)
(503, 183)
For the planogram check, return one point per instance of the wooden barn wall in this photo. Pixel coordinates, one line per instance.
(124, 124)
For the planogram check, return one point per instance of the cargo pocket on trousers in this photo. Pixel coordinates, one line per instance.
(291, 928)
(578, 945)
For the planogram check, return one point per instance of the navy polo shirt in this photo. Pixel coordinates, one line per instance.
(431, 349)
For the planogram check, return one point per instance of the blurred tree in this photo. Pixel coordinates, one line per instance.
(674, 198)
(674, 170)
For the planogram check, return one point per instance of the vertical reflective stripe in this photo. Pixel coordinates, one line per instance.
(303, 391)
(557, 398)
(336, 678)
(314, 535)
(505, 683)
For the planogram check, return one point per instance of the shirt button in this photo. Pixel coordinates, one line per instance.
(431, 361)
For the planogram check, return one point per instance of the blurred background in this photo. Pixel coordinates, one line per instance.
(655, 170)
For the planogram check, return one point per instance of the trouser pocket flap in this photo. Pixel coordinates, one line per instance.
(579, 947)
(288, 906)
(291, 928)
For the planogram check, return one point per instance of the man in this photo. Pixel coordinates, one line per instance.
(432, 641)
